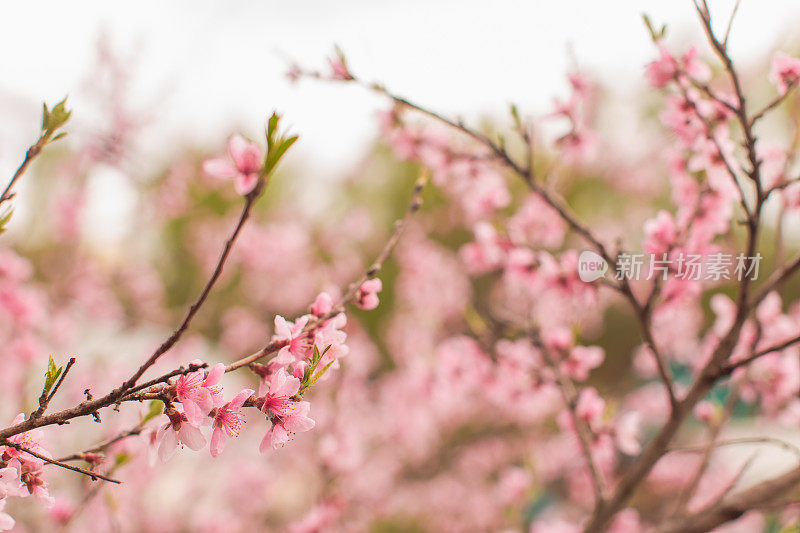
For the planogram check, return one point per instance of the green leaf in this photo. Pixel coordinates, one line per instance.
(312, 365)
(59, 136)
(51, 375)
(45, 116)
(156, 408)
(121, 459)
(515, 116)
(52, 120)
(318, 375)
(655, 35)
(4, 220)
(277, 145)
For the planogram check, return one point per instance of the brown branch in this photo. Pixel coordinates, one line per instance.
(730, 25)
(759, 496)
(707, 376)
(104, 445)
(788, 446)
(564, 212)
(93, 475)
(85, 408)
(733, 365)
(195, 307)
(32, 153)
(772, 105)
(399, 226)
(778, 278)
(688, 491)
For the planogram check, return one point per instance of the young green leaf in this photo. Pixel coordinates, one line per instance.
(52, 120)
(277, 145)
(51, 375)
(516, 117)
(316, 377)
(4, 220)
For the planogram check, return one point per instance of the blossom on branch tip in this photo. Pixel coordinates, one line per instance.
(322, 305)
(247, 159)
(666, 68)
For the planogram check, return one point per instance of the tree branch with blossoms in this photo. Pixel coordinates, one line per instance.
(702, 122)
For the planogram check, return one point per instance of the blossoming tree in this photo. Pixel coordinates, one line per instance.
(484, 382)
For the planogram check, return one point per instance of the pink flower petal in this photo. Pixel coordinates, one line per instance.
(219, 168)
(218, 440)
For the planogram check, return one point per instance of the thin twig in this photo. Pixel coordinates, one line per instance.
(32, 153)
(399, 226)
(104, 445)
(93, 475)
(733, 365)
(195, 307)
(730, 25)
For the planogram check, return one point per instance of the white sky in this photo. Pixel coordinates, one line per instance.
(211, 66)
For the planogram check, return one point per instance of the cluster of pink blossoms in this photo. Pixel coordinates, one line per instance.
(279, 394)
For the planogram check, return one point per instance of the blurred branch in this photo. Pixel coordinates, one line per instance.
(93, 475)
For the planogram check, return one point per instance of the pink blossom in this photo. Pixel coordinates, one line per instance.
(296, 339)
(704, 411)
(486, 253)
(197, 393)
(247, 159)
(590, 407)
(367, 295)
(666, 68)
(294, 420)
(627, 433)
(322, 305)
(227, 421)
(660, 233)
(285, 413)
(536, 223)
(784, 71)
(178, 430)
(663, 70)
(581, 361)
(338, 66)
(694, 67)
(9, 481)
(277, 390)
